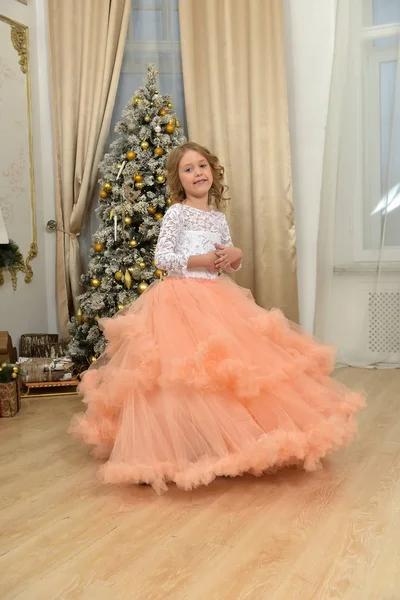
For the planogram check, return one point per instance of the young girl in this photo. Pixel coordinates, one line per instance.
(197, 381)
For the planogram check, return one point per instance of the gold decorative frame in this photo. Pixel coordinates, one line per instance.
(20, 41)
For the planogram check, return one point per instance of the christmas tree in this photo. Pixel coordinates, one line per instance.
(133, 200)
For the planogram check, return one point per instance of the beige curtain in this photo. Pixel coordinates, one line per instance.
(87, 40)
(236, 102)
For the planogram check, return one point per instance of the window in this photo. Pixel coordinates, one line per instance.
(153, 37)
(380, 218)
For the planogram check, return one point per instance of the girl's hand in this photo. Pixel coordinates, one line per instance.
(210, 260)
(227, 256)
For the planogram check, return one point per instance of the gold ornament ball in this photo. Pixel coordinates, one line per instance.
(15, 369)
(103, 194)
(131, 155)
(142, 265)
(93, 359)
(156, 91)
(4, 365)
(170, 128)
(162, 112)
(136, 100)
(177, 123)
(118, 275)
(158, 273)
(151, 210)
(138, 177)
(98, 247)
(128, 220)
(147, 119)
(170, 105)
(158, 216)
(1, 368)
(169, 201)
(14, 375)
(153, 262)
(160, 178)
(132, 243)
(158, 151)
(142, 287)
(139, 185)
(95, 282)
(144, 145)
(119, 165)
(121, 306)
(107, 186)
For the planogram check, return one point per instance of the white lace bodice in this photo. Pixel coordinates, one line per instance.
(186, 232)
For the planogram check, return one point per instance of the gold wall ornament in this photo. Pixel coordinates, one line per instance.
(33, 252)
(23, 1)
(19, 38)
(19, 34)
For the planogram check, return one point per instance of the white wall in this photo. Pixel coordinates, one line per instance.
(31, 308)
(309, 32)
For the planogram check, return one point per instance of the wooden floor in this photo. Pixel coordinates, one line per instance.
(334, 534)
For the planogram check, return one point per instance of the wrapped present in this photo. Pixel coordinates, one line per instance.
(9, 399)
(8, 353)
(61, 369)
(37, 345)
(34, 370)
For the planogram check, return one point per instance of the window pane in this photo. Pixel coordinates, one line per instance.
(380, 12)
(148, 25)
(385, 11)
(390, 149)
(382, 130)
(146, 4)
(175, 32)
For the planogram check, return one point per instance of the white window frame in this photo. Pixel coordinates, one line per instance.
(370, 132)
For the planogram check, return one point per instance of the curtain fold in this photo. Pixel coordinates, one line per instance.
(236, 103)
(86, 45)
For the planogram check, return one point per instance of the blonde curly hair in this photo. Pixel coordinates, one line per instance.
(218, 189)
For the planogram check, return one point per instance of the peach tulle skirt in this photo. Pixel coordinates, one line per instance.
(197, 381)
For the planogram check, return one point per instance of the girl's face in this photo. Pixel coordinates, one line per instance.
(195, 174)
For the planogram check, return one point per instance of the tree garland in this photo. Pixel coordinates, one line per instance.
(11, 260)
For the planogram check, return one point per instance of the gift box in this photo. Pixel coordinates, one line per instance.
(9, 399)
(36, 370)
(33, 370)
(39, 345)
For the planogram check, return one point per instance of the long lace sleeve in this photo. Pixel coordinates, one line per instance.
(167, 256)
(227, 241)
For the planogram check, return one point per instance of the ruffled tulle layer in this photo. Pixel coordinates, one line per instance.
(198, 381)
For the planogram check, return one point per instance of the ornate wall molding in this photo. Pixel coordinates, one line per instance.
(17, 184)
